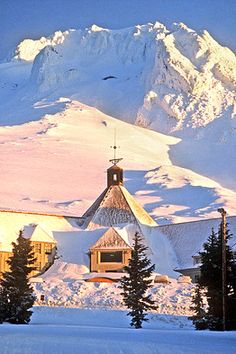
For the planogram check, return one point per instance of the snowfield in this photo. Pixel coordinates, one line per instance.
(80, 317)
(58, 164)
(64, 285)
(76, 331)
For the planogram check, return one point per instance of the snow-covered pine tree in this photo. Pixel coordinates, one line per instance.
(137, 282)
(211, 281)
(16, 294)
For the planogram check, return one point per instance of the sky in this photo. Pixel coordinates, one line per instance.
(35, 18)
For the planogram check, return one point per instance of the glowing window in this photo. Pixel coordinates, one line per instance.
(37, 248)
(48, 249)
(111, 257)
(115, 177)
(38, 266)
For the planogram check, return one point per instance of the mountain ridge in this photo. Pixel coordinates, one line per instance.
(180, 78)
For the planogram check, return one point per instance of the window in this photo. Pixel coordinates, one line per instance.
(37, 248)
(48, 249)
(115, 177)
(111, 257)
(197, 260)
(38, 266)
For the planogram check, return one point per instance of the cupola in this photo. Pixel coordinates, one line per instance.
(114, 176)
(114, 173)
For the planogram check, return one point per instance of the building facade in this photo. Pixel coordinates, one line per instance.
(44, 248)
(111, 253)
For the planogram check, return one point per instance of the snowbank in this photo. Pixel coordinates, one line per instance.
(65, 286)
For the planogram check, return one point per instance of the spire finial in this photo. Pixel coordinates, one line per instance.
(115, 160)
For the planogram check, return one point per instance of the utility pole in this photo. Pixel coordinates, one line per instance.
(223, 245)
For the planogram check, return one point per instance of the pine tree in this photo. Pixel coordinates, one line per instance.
(136, 283)
(211, 281)
(231, 323)
(16, 294)
(199, 317)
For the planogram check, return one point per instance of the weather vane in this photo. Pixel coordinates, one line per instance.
(115, 160)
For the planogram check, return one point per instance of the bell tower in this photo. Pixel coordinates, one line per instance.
(115, 173)
(114, 176)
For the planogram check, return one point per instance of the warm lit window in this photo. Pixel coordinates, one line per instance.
(111, 257)
(37, 248)
(48, 249)
(115, 177)
(38, 266)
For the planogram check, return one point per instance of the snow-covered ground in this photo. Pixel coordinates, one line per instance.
(63, 285)
(76, 331)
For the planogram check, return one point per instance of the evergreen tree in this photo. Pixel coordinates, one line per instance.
(16, 294)
(211, 281)
(199, 317)
(232, 296)
(136, 283)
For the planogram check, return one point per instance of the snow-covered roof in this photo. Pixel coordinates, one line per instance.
(170, 246)
(112, 240)
(116, 238)
(127, 232)
(12, 222)
(187, 238)
(36, 232)
(73, 245)
(115, 206)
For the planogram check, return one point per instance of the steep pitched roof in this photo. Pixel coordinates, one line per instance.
(187, 238)
(116, 206)
(111, 239)
(36, 233)
(90, 212)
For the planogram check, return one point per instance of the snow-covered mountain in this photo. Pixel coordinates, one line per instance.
(174, 78)
(175, 81)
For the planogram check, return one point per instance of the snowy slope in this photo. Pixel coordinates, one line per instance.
(58, 164)
(177, 80)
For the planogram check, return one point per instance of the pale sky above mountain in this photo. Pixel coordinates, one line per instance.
(34, 18)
